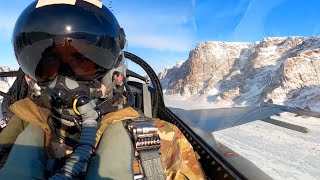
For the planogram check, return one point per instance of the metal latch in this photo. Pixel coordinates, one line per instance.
(145, 134)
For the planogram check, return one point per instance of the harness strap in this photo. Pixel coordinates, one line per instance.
(147, 143)
(151, 164)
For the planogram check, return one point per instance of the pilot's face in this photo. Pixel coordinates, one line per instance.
(64, 59)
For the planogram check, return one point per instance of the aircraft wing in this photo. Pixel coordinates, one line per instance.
(211, 120)
(204, 122)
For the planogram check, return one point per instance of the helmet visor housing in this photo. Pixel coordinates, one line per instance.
(80, 41)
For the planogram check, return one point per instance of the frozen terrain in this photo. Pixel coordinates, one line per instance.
(280, 152)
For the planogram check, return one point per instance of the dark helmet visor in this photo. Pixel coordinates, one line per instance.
(65, 59)
(79, 41)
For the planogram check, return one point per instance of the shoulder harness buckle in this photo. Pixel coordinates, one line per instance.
(145, 134)
(147, 143)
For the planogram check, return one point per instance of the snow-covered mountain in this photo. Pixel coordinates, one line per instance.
(286, 70)
(5, 82)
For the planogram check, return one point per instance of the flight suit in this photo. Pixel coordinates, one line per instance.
(177, 155)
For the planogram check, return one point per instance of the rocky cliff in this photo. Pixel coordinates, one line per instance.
(286, 70)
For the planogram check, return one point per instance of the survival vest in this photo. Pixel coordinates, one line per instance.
(142, 156)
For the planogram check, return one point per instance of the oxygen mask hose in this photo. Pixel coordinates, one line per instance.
(84, 149)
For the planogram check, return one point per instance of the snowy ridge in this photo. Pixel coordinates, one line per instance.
(5, 82)
(284, 69)
(168, 72)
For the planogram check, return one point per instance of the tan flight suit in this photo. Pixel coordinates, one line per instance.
(177, 155)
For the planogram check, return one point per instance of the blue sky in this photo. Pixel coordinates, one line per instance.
(164, 31)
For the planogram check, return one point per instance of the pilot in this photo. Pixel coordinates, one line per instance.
(78, 120)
